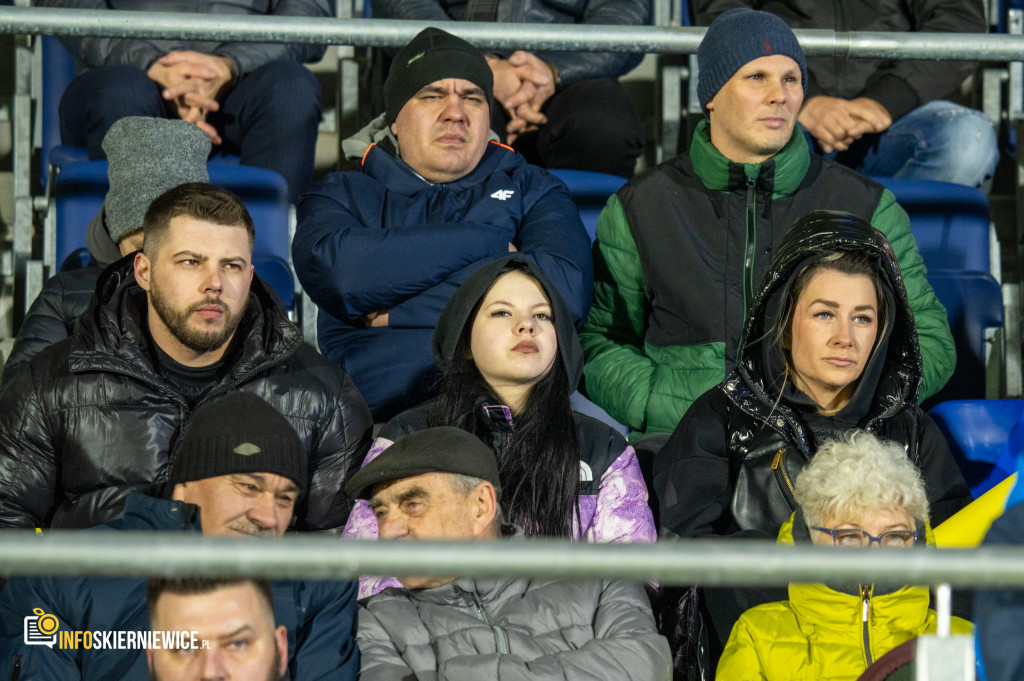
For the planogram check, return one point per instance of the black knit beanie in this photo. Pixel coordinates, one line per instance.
(433, 55)
(238, 433)
(736, 38)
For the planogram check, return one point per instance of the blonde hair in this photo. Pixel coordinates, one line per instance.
(858, 473)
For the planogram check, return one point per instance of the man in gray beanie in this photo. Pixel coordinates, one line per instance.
(239, 471)
(380, 250)
(146, 157)
(681, 249)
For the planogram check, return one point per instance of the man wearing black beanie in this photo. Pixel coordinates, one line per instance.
(380, 250)
(237, 471)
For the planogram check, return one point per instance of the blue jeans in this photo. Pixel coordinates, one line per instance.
(269, 118)
(938, 141)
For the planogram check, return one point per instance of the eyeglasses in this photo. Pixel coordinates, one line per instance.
(897, 539)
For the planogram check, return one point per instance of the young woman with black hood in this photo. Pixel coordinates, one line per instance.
(510, 359)
(829, 346)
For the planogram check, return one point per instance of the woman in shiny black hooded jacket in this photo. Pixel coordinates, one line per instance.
(510, 358)
(728, 467)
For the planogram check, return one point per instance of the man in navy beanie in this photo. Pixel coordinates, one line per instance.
(682, 248)
(380, 250)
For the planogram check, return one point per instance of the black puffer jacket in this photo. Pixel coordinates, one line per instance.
(92, 52)
(730, 464)
(65, 297)
(572, 66)
(90, 418)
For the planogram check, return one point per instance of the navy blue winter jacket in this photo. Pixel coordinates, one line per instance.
(319, 616)
(383, 238)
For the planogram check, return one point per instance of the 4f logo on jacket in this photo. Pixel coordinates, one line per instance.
(503, 194)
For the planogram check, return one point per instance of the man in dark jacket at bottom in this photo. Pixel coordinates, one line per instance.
(239, 471)
(442, 483)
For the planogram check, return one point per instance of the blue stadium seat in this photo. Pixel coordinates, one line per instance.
(590, 192)
(979, 433)
(974, 303)
(950, 222)
(79, 190)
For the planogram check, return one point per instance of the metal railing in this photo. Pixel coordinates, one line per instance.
(711, 562)
(569, 37)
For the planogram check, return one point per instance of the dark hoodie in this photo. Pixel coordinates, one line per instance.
(729, 465)
(612, 497)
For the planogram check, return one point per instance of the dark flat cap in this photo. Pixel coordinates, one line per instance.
(434, 450)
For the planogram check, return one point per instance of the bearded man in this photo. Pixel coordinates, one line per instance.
(171, 327)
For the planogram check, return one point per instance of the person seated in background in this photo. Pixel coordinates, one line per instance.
(857, 492)
(444, 484)
(234, 616)
(183, 321)
(682, 247)
(239, 471)
(558, 109)
(999, 612)
(380, 250)
(889, 116)
(829, 347)
(253, 100)
(146, 157)
(510, 358)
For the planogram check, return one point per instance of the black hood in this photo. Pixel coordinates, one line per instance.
(892, 376)
(456, 314)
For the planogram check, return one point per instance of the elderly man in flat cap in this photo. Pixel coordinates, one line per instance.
(443, 484)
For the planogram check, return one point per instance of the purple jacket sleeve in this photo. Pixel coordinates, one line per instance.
(622, 513)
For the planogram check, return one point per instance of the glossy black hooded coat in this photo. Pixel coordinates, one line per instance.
(730, 464)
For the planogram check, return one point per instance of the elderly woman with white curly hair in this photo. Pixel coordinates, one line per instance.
(857, 492)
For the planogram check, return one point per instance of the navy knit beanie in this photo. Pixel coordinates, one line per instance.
(431, 56)
(736, 38)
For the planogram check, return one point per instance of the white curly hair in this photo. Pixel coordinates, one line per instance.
(858, 473)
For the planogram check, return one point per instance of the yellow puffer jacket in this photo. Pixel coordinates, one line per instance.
(824, 634)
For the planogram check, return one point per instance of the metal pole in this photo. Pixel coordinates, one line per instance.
(943, 609)
(712, 562)
(569, 37)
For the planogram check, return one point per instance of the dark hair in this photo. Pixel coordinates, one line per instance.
(199, 201)
(196, 586)
(539, 465)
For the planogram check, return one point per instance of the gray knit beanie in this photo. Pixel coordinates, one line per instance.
(736, 38)
(146, 157)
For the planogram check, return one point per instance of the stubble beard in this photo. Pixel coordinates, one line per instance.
(177, 321)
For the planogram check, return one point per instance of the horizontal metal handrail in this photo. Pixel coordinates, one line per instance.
(568, 37)
(694, 561)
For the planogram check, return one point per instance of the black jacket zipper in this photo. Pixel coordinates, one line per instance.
(865, 593)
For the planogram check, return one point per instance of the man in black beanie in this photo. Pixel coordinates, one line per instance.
(380, 250)
(238, 471)
(558, 109)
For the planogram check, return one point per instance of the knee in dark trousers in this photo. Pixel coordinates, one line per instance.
(96, 99)
(271, 120)
(591, 126)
